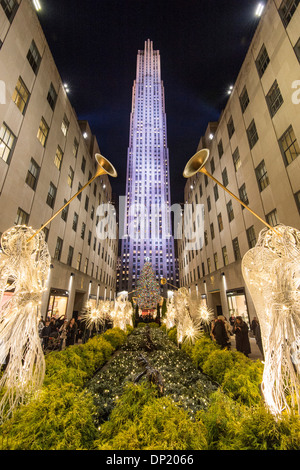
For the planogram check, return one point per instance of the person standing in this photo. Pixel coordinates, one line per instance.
(240, 330)
(259, 340)
(219, 333)
(71, 332)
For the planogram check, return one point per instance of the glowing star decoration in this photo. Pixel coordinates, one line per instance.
(93, 317)
(187, 320)
(26, 265)
(272, 273)
(206, 315)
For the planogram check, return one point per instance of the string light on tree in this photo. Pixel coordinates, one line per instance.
(148, 290)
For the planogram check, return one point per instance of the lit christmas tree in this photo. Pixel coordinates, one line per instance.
(148, 290)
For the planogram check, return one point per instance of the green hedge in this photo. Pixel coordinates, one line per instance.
(61, 415)
(142, 421)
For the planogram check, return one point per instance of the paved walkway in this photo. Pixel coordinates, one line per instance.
(255, 352)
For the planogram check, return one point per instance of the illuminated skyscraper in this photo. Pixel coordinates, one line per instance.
(147, 221)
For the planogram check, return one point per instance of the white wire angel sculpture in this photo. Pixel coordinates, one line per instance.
(272, 273)
(26, 265)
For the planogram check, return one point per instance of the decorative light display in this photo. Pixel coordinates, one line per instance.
(206, 315)
(94, 317)
(122, 313)
(170, 317)
(272, 273)
(26, 265)
(148, 290)
(187, 319)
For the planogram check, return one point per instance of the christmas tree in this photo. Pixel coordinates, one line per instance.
(148, 291)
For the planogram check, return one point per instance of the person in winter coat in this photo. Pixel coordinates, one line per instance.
(63, 335)
(71, 332)
(219, 333)
(240, 330)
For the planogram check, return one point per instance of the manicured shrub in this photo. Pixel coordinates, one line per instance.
(142, 421)
(201, 350)
(59, 418)
(260, 430)
(242, 382)
(172, 334)
(116, 337)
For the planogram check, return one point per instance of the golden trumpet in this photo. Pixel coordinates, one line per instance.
(197, 165)
(104, 168)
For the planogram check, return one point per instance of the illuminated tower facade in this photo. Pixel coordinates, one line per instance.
(147, 221)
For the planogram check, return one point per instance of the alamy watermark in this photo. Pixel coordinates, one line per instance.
(153, 222)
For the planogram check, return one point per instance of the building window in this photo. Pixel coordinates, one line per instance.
(225, 256)
(208, 204)
(43, 132)
(10, 8)
(22, 217)
(244, 99)
(86, 265)
(75, 222)
(236, 249)
(65, 125)
(208, 265)
(52, 97)
(83, 230)
(7, 143)
(70, 177)
(230, 211)
(287, 10)
(70, 256)
(86, 204)
(58, 249)
(212, 231)
(236, 159)
(58, 158)
(212, 165)
(78, 264)
(262, 176)
(289, 146)
(83, 165)
(297, 199)
(220, 222)
(251, 237)
(21, 95)
(75, 147)
(65, 212)
(216, 261)
(51, 195)
(34, 57)
(262, 61)
(274, 99)
(33, 174)
(230, 127)
(271, 218)
(243, 195)
(225, 177)
(46, 233)
(216, 192)
(297, 49)
(252, 134)
(80, 194)
(220, 148)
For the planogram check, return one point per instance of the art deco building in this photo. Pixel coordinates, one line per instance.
(254, 152)
(46, 155)
(148, 185)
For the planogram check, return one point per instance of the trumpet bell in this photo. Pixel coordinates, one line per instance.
(105, 167)
(196, 163)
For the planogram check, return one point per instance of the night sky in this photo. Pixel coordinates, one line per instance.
(202, 46)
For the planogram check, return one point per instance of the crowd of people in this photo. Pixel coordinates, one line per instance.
(222, 330)
(59, 333)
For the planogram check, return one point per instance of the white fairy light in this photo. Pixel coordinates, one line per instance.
(27, 265)
(272, 273)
